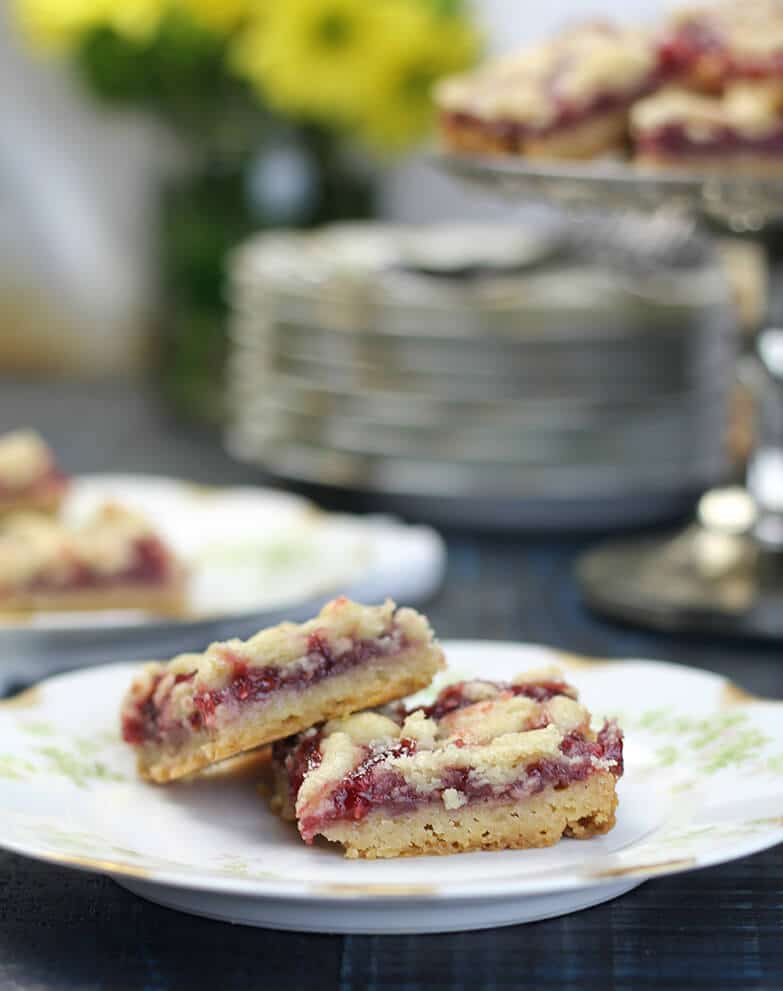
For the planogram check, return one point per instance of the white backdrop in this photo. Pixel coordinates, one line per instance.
(512, 22)
(76, 185)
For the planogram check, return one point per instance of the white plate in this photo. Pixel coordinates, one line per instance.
(703, 785)
(255, 556)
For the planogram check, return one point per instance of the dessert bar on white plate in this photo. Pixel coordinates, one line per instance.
(253, 555)
(201, 708)
(256, 552)
(703, 784)
(486, 766)
(114, 560)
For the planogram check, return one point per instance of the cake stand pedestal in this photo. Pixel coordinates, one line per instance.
(723, 574)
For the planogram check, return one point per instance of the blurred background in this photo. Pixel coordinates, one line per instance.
(112, 120)
(566, 370)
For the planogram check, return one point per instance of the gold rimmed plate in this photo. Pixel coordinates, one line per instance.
(703, 785)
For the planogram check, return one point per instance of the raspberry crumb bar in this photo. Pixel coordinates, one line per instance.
(202, 708)
(710, 45)
(741, 130)
(488, 766)
(566, 98)
(30, 481)
(114, 560)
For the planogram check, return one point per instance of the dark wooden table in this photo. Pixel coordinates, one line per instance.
(714, 929)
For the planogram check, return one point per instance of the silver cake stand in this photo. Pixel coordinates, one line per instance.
(740, 203)
(723, 574)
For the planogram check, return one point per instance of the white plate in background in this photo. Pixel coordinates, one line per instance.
(255, 555)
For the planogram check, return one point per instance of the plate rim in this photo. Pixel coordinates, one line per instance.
(374, 892)
(167, 625)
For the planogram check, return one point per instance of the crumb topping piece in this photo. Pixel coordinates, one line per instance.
(532, 86)
(24, 458)
(341, 622)
(749, 29)
(753, 109)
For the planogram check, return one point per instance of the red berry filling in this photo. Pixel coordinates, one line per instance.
(372, 786)
(145, 723)
(674, 140)
(250, 684)
(700, 45)
(509, 133)
(454, 697)
(150, 564)
(298, 758)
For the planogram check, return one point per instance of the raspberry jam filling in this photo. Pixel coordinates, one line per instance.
(298, 756)
(454, 697)
(372, 786)
(249, 684)
(509, 133)
(150, 564)
(673, 139)
(685, 48)
(51, 481)
(146, 721)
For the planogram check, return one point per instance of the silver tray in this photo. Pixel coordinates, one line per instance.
(743, 203)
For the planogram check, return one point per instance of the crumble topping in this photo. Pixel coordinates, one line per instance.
(24, 458)
(532, 86)
(483, 721)
(364, 728)
(540, 676)
(453, 799)
(341, 623)
(493, 763)
(752, 109)
(35, 549)
(338, 756)
(506, 743)
(750, 28)
(418, 727)
(194, 692)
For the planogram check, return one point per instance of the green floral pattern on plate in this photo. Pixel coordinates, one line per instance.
(703, 781)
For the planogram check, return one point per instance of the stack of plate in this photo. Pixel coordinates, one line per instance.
(483, 375)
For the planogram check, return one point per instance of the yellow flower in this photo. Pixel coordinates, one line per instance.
(220, 16)
(420, 47)
(311, 57)
(61, 23)
(137, 19)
